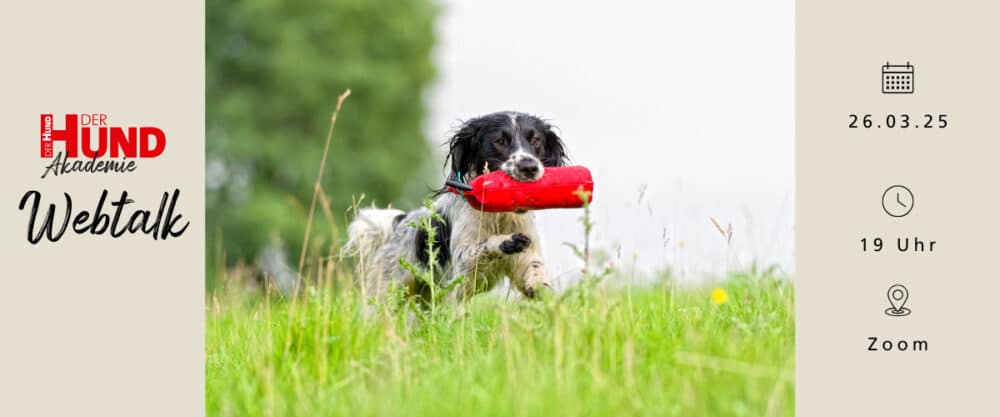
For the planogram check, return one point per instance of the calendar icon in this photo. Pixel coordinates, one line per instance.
(897, 79)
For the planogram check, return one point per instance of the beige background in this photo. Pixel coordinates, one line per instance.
(841, 174)
(94, 326)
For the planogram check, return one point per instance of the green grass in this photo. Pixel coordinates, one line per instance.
(590, 352)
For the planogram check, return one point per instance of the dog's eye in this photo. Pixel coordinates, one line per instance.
(535, 141)
(503, 141)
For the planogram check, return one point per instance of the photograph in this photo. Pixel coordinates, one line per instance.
(457, 208)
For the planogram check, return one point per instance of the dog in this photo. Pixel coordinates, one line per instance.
(480, 248)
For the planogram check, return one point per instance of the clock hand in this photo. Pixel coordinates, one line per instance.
(898, 200)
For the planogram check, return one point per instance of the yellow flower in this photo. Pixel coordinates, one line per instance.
(719, 296)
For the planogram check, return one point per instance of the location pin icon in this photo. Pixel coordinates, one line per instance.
(897, 297)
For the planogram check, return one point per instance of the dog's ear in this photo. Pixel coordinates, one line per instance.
(555, 151)
(463, 151)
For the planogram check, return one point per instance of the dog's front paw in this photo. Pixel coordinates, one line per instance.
(534, 282)
(537, 288)
(515, 244)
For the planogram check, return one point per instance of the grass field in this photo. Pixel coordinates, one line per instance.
(591, 351)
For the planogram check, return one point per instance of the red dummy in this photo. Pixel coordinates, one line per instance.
(559, 187)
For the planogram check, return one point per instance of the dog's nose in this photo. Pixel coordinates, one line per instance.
(528, 167)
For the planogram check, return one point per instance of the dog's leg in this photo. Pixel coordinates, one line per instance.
(528, 272)
(479, 263)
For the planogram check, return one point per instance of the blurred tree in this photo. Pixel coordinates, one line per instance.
(274, 69)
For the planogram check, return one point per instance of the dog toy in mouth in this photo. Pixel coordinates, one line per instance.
(559, 187)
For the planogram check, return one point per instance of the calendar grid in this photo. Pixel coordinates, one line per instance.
(897, 79)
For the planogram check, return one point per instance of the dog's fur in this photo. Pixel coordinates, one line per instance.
(482, 247)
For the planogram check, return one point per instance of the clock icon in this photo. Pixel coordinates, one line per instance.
(897, 201)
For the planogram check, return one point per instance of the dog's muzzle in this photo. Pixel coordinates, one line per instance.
(523, 167)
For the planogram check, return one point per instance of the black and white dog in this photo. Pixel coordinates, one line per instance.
(481, 247)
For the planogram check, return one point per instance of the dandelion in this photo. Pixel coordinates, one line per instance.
(719, 296)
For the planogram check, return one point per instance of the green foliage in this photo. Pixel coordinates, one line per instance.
(426, 276)
(654, 351)
(274, 70)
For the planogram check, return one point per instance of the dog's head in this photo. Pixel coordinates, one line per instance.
(519, 144)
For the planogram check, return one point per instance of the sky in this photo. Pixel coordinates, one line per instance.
(682, 110)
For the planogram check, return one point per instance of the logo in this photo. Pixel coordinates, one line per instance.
(88, 143)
